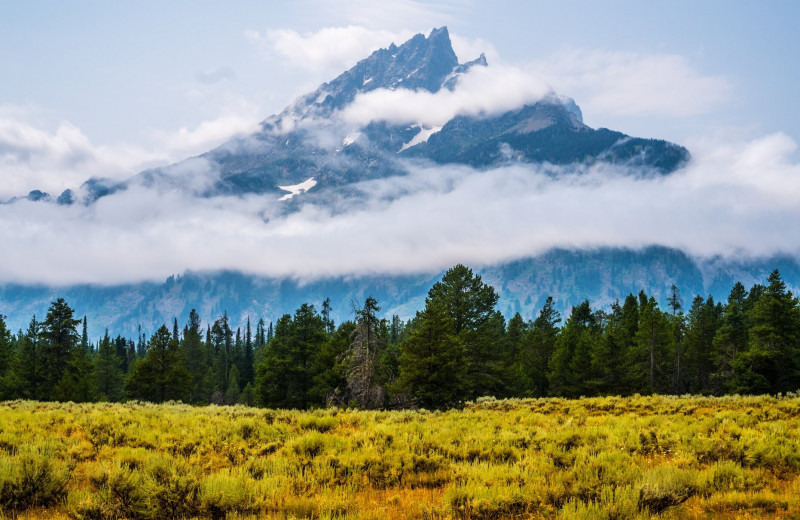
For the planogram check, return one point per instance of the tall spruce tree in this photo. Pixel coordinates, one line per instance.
(161, 375)
(470, 304)
(29, 371)
(366, 347)
(108, 371)
(285, 376)
(432, 360)
(772, 361)
(537, 348)
(60, 341)
(6, 360)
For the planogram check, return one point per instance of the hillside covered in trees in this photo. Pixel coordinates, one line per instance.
(457, 348)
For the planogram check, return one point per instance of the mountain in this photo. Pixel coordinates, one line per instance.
(570, 276)
(310, 151)
(310, 146)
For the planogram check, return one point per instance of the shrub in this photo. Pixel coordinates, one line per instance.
(32, 479)
(664, 487)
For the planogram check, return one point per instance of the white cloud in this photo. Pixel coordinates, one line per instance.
(482, 90)
(40, 153)
(733, 199)
(633, 84)
(329, 50)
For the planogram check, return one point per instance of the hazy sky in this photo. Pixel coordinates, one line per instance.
(95, 88)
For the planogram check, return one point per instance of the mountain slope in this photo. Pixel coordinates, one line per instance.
(311, 140)
(570, 276)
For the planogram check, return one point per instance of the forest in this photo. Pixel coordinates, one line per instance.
(455, 350)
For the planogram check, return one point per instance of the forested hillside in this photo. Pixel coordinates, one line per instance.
(457, 348)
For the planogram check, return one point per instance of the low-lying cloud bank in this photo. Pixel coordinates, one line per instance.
(731, 200)
(38, 153)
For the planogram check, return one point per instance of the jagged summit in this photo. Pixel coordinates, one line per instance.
(419, 63)
(309, 144)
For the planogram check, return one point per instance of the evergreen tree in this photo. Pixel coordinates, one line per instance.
(248, 359)
(175, 333)
(703, 322)
(78, 381)
(570, 365)
(771, 362)
(432, 359)
(537, 349)
(363, 354)
(650, 354)
(470, 304)
(141, 347)
(196, 360)
(85, 337)
(330, 367)
(286, 374)
(6, 360)
(29, 371)
(161, 375)
(232, 392)
(60, 340)
(121, 350)
(330, 327)
(732, 337)
(608, 355)
(108, 371)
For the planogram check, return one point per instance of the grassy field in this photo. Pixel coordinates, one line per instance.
(639, 457)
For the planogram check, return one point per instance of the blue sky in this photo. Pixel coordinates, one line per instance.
(96, 88)
(123, 72)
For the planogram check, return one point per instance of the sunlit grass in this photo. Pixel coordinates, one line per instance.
(610, 457)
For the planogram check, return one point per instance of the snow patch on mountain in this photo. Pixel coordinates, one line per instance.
(351, 138)
(421, 137)
(297, 189)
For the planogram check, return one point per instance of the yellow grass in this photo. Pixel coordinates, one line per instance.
(638, 457)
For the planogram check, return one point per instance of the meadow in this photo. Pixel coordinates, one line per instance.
(598, 458)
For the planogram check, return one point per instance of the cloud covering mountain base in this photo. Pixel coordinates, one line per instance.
(731, 200)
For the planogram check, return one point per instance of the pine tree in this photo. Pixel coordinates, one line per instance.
(732, 337)
(175, 333)
(108, 371)
(85, 337)
(330, 367)
(60, 340)
(161, 375)
(649, 356)
(365, 349)
(29, 371)
(703, 323)
(432, 360)
(570, 365)
(196, 360)
(470, 304)
(285, 376)
(537, 349)
(770, 364)
(248, 359)
(330, 327)
(6, 360)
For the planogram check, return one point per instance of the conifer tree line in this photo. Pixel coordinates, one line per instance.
(459, 347)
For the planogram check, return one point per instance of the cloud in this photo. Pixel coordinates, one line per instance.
(482, 90)
(733, 199)
(329, 50)
(39, 152)
(633, 84)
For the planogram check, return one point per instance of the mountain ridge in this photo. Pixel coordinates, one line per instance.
(308, 139)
